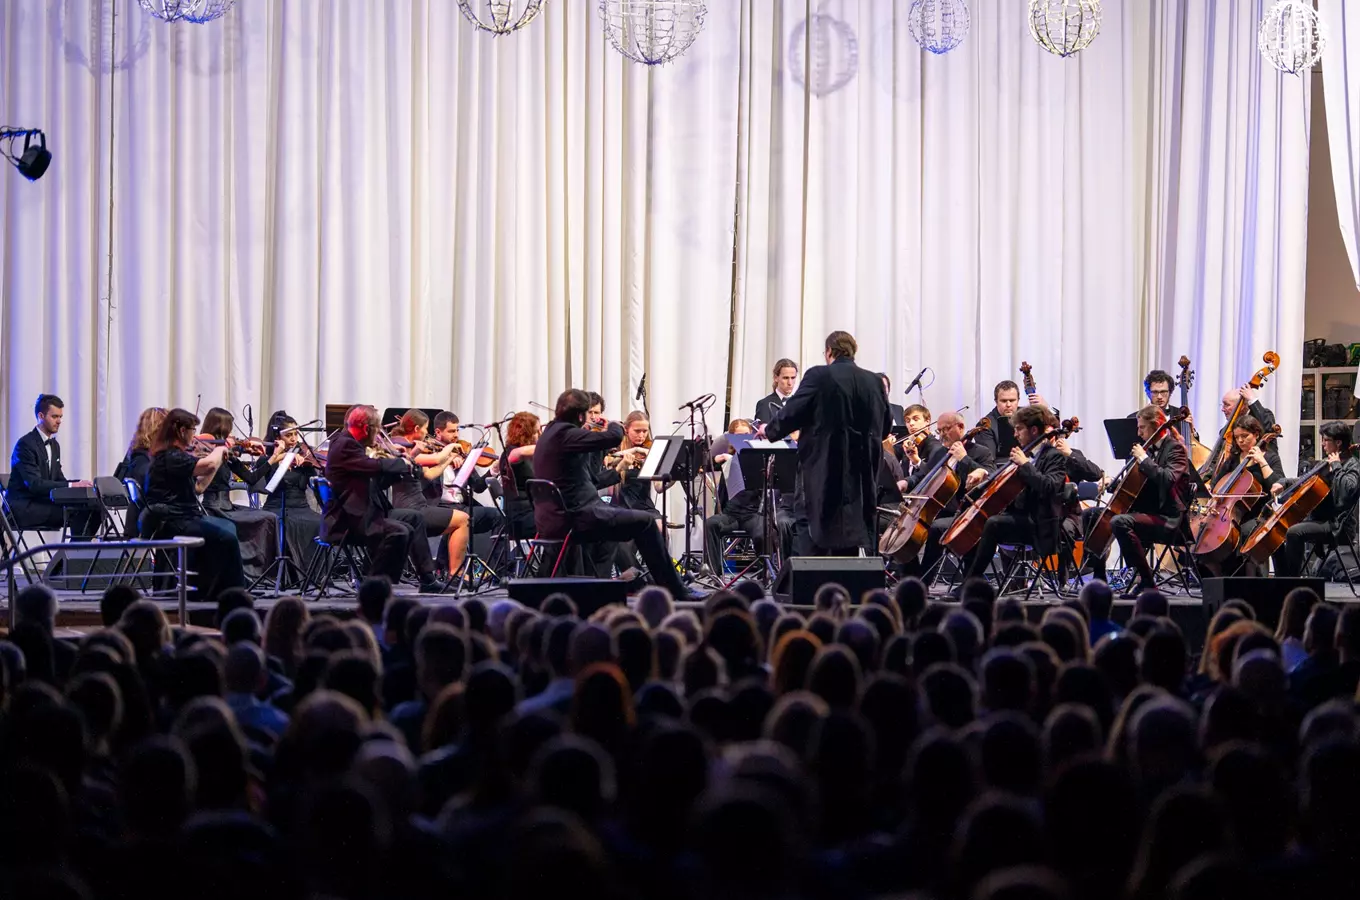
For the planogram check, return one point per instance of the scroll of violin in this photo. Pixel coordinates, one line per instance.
(906, 536)
(1217, 532)
(995, 494)
(1125, 488)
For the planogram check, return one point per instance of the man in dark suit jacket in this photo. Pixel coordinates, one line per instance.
(35, 471)
(565, 455)
(842, 414)
(785, 379)
(898, 414)
(358, 503)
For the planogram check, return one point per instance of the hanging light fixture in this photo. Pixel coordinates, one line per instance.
(500, 15)
(832, 54)
(939, 25)
(1292, 36)
(652, 32)
(1064, 27)
(197, 11)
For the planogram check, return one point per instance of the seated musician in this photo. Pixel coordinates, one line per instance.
(359, 508)
(1265, 417)
(564, 455)
(1035, 516)
(138, 459)
(785, 381)
(1334, 517)
(173, 509)
(891, 484)
(1157, 513)
(1001, 438)
(631, 493)
(914, 452)
(483, 518)
(255, 528)
(515, 468)
(604, 476)
(301, 523)
(421, 496)
(971, 463)
(35, 471)
(740, 511)
(1263, 464)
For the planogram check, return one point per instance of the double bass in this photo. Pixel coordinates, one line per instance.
(1292, 507)
(1217, 532)
(995, 494)
(1210, 468)
(1199, 454)
(904, 539)
(1125, 488)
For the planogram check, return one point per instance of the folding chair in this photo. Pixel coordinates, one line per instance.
(545, 492)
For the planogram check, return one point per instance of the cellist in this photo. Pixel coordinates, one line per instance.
(1335, 515)
(971, 463)
(1263, 463)
(1035, 517)
(1158, 512)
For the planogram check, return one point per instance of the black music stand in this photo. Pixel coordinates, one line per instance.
(769, 469)
(1122, 434)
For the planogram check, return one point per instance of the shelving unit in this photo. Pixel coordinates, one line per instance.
(1324, 393)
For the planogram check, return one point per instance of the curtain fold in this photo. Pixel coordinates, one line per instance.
(312, 202)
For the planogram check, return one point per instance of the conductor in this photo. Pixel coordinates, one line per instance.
(842, 414)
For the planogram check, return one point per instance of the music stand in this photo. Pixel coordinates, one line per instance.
(465, 473)
(1122, 434)
(768, 467)
(282, 561)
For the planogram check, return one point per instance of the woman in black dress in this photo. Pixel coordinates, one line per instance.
(1263, 462)
(301, 523)
(136, 461)
(516, 467)
(257, 529)
(170, 489)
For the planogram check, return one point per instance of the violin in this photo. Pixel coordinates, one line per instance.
(904, 539)
(235, 446)
(488, 456)
(1217, 531)
(997, 493)
(1125, 488)
(1211, 466)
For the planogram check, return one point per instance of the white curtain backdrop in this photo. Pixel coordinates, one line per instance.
(317, 202)
(1341, 85)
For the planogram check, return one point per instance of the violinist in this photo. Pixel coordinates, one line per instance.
(1334, 517)
(916, 451)
(785, 374)
(740, 511)
(515, 468)
(138, 459)
(422, 495)
(972, 463)
(1159, 509)
(256, 529)
(1035, 516)
(483, 518)
(359, 509)
(302, 523)
(604, 476)
(631, 493)
(171, 496)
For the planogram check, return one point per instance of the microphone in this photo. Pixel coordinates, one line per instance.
(642, 388)
(701, 400)
(916, 382)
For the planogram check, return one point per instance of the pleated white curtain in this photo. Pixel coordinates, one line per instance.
(367, 201)
(1341, 84)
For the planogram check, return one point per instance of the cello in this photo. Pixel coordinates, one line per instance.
(1217, 532)
(995, 494)
(1027, 379)
(1215, 460)
(1125, 488)
(1293, 506)
(1199, 454)
(906, 536)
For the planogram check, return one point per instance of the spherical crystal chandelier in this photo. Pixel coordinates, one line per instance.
(652, 32)
(196, 11)
(1292, 37)
(1064, 27)
(500, 17)
(939, 25)
(832, 54)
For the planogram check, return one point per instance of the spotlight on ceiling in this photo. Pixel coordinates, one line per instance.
(34, 159)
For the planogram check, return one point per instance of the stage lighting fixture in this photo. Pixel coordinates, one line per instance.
(35, 159)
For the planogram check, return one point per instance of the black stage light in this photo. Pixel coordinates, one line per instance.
(35, 158)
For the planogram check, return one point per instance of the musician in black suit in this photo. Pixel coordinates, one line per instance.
(358, 504)
(785, 381)
(1334, 517)
(842, 415)
(565, 455)
(1000, 439)
(1255, 409)
(898, 413)
(971, 463)
(915, 452)
(1035, 517)
(35, 471)
(1157, 514)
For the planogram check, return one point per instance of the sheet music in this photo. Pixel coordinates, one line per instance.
(469, 466)
(284, 465)
(652, 463)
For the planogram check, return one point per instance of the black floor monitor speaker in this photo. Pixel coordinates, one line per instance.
(1266, 595)
(589, 594)
(801, 576)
